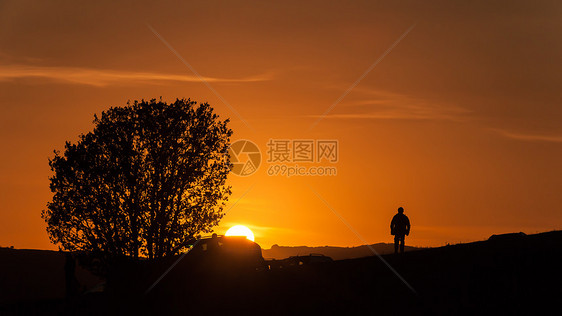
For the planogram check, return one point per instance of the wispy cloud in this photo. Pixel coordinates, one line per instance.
(104, 77)
(529, 137)
(377, 104)
(353, 85)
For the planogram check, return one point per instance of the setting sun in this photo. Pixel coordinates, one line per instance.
(240, 230)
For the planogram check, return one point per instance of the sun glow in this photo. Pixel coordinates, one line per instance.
(240, 230)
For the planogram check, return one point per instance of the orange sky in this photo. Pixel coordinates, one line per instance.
(459, 123)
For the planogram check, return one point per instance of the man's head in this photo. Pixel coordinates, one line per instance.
(401, 210)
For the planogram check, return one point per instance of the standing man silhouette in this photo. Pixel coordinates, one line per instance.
(399, 227)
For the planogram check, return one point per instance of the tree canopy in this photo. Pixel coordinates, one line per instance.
(150, 176)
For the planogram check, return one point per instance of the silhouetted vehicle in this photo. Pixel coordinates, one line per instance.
(298, 261)
(227, 252)
(213, 257)
(310, 259)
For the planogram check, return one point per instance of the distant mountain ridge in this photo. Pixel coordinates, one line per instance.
(336, 253)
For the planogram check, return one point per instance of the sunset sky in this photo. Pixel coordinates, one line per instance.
(459, 120)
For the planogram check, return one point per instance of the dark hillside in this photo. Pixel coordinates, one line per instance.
(514, 275)
(506, 275)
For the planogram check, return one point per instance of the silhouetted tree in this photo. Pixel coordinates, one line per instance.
(150, 176)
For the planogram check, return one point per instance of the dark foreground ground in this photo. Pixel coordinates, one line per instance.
(517, 275)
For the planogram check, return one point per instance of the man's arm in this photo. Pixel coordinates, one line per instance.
(407, 226)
